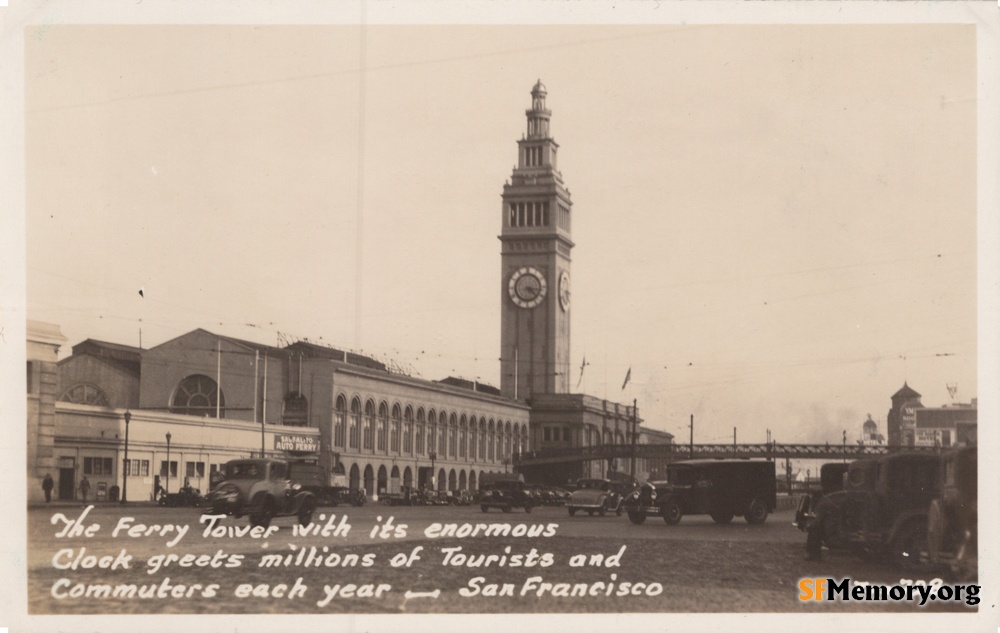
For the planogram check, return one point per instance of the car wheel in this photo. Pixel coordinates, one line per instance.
(484, 508)
(757, 513)
(722, 518)
(636, 517)
(527, 508)
(909, 548)
(306, 511)
(572, 511)
(672, 512)
(619, 510)
(602, 511)
(261, 512)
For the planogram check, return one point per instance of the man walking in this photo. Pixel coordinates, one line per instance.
(84, 488)
(47, 487)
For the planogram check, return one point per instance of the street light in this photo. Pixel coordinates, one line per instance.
(433, 456)
(125, 464)
(168, 462)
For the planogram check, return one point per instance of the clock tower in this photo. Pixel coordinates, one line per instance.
(535, 261)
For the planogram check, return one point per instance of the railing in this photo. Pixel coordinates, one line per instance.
(672, 452)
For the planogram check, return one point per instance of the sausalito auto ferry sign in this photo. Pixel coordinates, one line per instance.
(297, 443)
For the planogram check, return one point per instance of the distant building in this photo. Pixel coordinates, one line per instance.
(953, 425)
(870, 435)
(901, 420)
(43, 342)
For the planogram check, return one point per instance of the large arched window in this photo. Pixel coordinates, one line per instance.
(86, 393)
(420, 431)
(383, 425)
(354, 425)
(431, 432)
(482, 438)
(463, 426)
(506, 439)
(394, 424)
(198, 395)
(442, 435)
(339, 421)
(473, 436)
(492, 442)
(369, 430)
(408, 431)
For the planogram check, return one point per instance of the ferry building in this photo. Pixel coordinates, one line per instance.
(188, 405)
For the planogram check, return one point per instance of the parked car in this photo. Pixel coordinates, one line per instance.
(261, 488)
(882, 510)
(953, 517)
(506, 494)
(721, 488)
(594, 496)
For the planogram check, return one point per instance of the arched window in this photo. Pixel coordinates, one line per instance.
(421, 429)
(463, 433)
(482, 438)
(369, 430)
(473, 437)
(515, 437)
(431, 432)
(452, 435)
(506, 439)
(198, 395)
(394, 424)
(355, 422)
(442, 435)
(86, 393)
(492, 442)
(339, 421)
(408, 431)
(383, 425)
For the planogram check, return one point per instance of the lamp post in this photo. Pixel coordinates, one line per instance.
(125, 464)
(433, 456)
(168, 463)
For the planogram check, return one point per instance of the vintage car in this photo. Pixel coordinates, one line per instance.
(831, 479)
(882, 510)
(261, 488)
(721, 488)
(594, 496)
(952, 519)
(506, 494)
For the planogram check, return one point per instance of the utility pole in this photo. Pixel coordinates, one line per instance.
(635, 421)
(691, 426)
(734, 441)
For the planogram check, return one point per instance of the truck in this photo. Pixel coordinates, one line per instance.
(330, 488)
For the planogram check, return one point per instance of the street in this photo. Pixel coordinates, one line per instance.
(382, 559)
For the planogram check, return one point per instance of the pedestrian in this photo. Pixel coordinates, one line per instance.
(47, 487)
(815, 526)
(84, 488)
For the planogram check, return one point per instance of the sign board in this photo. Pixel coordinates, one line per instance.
(297, 443)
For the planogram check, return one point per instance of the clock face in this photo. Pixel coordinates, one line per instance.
(564, 290)
(526, 287)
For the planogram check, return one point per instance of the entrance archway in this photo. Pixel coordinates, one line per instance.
(369, 481)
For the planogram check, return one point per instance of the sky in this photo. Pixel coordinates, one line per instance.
(775, 225)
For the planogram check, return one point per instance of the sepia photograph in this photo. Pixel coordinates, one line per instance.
(448, 316)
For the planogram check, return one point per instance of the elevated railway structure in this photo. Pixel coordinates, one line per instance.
(676, 452)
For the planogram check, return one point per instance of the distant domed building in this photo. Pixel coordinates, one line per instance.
(870, 435)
